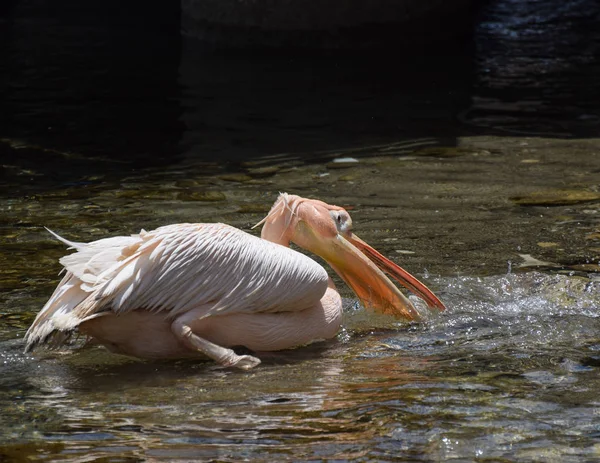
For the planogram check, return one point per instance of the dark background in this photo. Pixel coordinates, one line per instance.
(115, 79)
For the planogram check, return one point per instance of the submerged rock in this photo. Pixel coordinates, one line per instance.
(556, 198)
(261, 172)
(531, 262)
(341, 163)
(586, 267)
(201, 196)
(547, 244)
(443, 151)
(238, 178)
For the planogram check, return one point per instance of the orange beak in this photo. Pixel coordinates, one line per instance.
(361, 267)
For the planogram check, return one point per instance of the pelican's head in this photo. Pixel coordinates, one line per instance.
(326, 230)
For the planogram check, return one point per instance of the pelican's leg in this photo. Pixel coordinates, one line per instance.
(223, 356)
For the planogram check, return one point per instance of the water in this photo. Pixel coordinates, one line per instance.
(494, 205)
(509, 372)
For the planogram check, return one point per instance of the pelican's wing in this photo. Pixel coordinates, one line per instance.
(180, 267)
(175, 269)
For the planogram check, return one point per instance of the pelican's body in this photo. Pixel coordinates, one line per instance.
(199, 289)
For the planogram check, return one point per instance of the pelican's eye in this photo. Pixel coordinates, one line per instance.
(342, 221)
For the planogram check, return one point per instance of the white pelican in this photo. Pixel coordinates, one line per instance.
(200, 289)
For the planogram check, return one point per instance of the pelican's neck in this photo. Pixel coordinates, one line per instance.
(277, 240)
(276, 232)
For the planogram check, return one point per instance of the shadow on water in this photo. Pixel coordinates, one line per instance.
(537, 68)
(107, 88)
(89, 87)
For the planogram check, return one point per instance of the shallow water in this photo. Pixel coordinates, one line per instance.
(454, 177)
(510, 372)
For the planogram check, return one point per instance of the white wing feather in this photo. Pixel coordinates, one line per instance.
(181, 267)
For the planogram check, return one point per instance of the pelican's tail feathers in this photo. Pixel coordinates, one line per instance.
(74, 301)
(59, 318)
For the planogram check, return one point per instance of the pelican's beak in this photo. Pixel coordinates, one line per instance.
(362, 267)
(398, 273)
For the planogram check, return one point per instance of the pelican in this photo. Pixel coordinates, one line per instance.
(200, 289)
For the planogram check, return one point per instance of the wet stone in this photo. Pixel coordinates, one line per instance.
(586, 267)
(546, 244)
(262, 172)
(556, 198)
(342, 163)
(207, 196)
(238, 178)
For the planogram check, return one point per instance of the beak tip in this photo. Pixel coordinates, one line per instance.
(401, 276)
